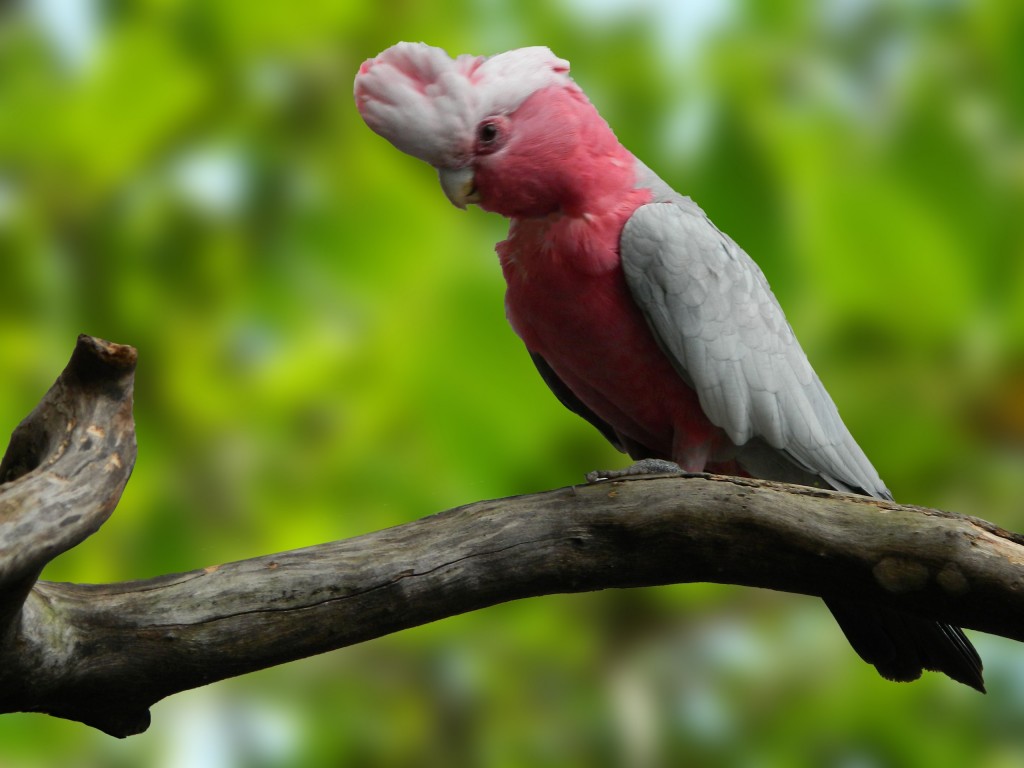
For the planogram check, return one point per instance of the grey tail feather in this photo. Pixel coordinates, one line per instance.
(902, 645)
(899, 645)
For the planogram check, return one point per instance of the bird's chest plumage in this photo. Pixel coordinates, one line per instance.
(564, 281)
(568, 300)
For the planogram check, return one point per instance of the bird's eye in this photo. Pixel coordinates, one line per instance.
(487, 133)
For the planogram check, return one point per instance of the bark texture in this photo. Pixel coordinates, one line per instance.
(103, 654)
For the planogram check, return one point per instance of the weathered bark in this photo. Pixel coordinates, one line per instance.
(65, 467)
(104, 654)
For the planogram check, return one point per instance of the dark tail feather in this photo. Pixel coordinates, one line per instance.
(902, 645)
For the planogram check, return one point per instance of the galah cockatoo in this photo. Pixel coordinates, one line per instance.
(641, 315)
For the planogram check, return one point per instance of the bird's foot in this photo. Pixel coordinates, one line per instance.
(642, 467)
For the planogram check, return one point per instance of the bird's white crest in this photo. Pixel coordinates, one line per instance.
(428, 104)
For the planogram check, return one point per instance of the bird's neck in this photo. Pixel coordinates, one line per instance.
(564, 243)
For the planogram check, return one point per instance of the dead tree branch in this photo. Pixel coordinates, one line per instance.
(103, 654)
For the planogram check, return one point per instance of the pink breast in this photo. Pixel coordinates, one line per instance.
(567, 299)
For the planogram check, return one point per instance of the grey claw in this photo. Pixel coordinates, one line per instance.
(642, 467)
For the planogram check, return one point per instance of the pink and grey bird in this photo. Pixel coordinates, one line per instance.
(641, 316)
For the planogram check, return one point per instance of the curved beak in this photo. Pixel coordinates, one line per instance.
(458, 185)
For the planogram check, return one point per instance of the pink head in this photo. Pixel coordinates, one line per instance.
(501, 131)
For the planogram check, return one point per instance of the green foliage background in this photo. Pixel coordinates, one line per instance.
(323, 351)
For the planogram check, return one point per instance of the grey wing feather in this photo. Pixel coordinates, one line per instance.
(711, 309)
(713, 313)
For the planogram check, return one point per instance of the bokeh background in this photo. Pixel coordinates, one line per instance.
(323, 351)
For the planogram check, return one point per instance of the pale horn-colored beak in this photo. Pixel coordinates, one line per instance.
(458, 185)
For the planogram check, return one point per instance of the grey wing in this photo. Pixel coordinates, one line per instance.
(711, 309)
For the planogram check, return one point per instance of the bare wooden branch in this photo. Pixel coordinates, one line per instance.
(65, 467)
(104, 654)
